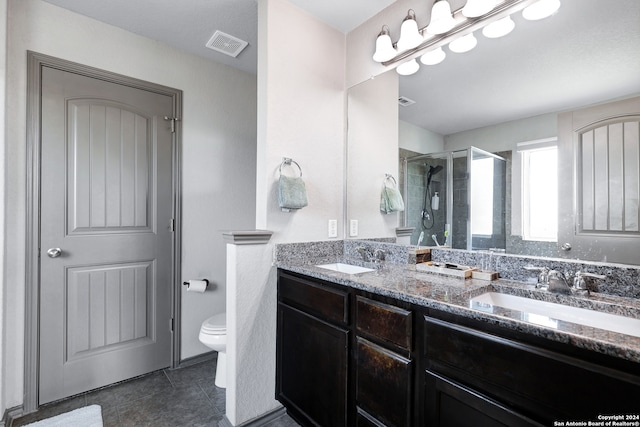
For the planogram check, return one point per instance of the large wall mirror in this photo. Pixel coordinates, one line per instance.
(503, 101)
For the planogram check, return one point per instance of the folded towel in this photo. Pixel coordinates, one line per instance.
(292, 193)
(391, 200)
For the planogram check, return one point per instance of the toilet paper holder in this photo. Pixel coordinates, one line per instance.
(204, 280)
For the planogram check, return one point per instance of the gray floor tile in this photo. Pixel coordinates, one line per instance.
(184, 405)
(130, 391)
(283, 421)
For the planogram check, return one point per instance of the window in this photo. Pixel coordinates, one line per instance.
(540, 192)
(482, 196)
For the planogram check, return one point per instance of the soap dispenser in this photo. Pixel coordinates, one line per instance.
(435, 202)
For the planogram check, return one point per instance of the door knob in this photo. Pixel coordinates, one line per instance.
(54, 252)
(566, 247)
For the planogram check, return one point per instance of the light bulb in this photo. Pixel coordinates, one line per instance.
(540, 9)
(384, 48)
(463, 44)
(433, 57)
(441, 18)
(499, 28)
(475, 8)
(410, 36)
(408, 68)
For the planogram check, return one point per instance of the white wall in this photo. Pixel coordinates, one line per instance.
(504, 136)
(301, 115)
(419, 140)
(218, 141)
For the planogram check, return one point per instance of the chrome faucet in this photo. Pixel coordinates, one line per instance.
(558, 283)
(543, 276)
(365, 253)
(379, 255)
(580, 282)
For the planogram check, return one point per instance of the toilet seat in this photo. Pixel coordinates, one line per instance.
(215, 325)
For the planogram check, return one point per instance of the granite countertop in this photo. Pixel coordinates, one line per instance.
(451, 294)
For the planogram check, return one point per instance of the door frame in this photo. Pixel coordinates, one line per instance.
(35, 63)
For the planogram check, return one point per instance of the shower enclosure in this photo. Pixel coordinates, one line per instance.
(456, 199)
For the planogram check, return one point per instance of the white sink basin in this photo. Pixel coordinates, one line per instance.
(548, 313)
(346, 268)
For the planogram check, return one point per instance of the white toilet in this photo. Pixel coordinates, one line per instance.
(213, 334)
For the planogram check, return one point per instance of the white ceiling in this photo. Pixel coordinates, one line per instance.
(586, 53)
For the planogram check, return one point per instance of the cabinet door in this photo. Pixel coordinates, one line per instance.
(312, 362)
(448, 404)
(383, 384)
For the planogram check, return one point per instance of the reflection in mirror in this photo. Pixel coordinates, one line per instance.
(507, 94)
(457, 199)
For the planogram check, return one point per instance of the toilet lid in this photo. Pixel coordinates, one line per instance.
(215, 324)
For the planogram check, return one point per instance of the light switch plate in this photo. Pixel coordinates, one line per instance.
(333, 228)
(353, 228)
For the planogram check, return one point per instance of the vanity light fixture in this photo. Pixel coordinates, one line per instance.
(499, 28)
(384, 46)
(541, 9)
(410, 36)
(408, 68)
(441, 18)
(475, 8)
(433, 57)
(463, 44)
(455, 29)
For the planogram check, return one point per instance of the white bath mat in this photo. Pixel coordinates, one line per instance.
(89, 416)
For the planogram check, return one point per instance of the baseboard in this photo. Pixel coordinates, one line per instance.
(256, 422)
(198, 359)
(10, 415)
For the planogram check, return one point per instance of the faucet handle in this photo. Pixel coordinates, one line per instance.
(579, 282)
(379, 255)
(592, 275)
(543, 276)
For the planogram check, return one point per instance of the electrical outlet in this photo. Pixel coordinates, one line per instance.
(333, 228)
(353, 228)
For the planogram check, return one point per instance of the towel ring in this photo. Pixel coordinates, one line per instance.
(390, 177)
(287, 162)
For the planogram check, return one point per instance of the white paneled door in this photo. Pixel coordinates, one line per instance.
(106, 235)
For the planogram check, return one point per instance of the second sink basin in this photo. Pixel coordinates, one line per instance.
(345, 268)
(548, 313)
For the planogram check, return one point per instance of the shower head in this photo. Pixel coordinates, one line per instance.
(432, 171)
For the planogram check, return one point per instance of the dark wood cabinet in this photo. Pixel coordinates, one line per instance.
(536, 383)
(312, 352)
(312, 367)
(383, 384)
(351, 358)
(449, 404)
(384, 366)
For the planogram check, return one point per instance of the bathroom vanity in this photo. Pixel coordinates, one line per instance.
(396, 347)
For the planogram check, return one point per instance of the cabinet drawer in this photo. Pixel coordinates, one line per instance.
(322, 301)
(383, 385)
(383, 321)
(543, 384)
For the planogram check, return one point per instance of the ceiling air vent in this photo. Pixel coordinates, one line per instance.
(405, 102)
(225, 43)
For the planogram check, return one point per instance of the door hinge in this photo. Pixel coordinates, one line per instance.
(172, 224)
(173, 121)
(172, 324)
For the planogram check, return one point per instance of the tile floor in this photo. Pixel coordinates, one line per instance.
(172, 398)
